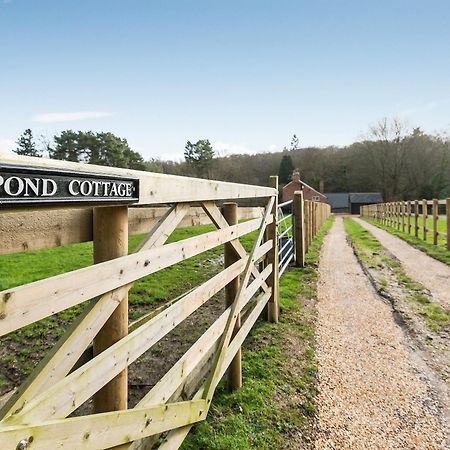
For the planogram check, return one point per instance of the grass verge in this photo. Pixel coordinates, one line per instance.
(275, 408)
(371, 253)
(438, 252)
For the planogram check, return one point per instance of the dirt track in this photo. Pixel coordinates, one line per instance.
(433, 274)
(373, 391)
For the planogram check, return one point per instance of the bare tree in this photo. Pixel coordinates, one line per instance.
(386, 151)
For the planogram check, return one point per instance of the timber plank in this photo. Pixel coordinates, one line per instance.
(105, 430)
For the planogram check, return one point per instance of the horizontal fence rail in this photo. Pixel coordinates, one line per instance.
(424, 219)
(34, 229)
(91, 359)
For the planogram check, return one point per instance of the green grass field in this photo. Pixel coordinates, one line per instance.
(441, 227)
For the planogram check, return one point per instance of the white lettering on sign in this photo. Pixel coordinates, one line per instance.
(31, 188)
(72, 190)
(16, 186)
(49, 187)
(100, 188)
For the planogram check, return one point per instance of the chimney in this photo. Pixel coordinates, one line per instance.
(296, 176)
(321, 186)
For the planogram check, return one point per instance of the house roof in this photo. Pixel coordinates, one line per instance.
(365, 197)
(305, 184)
(338, 199)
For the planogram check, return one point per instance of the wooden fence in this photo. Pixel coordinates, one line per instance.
(34, 229)
(36, 416)
(413, 217)
(309, 217)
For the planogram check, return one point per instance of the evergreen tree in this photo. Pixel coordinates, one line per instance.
(286, 169)
(199, 156)
(104, 149)
(67, 147)
(26, 145)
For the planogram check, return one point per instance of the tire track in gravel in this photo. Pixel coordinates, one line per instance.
(372, 392)
(433, 274)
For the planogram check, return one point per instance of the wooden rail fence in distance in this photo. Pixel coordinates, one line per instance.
(395, 214)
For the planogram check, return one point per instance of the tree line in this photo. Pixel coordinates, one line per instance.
(402, 164)
(107, 149)
(104, 149)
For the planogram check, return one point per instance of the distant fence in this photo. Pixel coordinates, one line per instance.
(36, 415)
(421, 218)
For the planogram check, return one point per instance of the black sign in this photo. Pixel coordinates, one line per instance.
(27, 185)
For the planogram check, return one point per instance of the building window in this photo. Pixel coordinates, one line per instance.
(316, 198)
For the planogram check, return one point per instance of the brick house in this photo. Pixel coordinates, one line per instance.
(297, 184)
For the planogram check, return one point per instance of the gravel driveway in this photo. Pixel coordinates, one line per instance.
(433, 274)
(373, 391)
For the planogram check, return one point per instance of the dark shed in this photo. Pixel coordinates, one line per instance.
(338, 201)
(356, 200)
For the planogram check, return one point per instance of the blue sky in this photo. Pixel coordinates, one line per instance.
(244, 74)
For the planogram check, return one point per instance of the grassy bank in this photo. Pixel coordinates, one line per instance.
(438, 252)
(374, 256)
(275, 408)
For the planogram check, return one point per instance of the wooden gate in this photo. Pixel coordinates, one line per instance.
(37, 415)
(285, 232)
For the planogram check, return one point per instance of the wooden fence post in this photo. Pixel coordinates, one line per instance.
(234, 373)
(314, 219)
(408, 212)
(403, 216)
(435, 212)
(306, 224)
(299, 231)
(447, 212)
(416, 218)
(395, 215)
(272, 258)
(111, 241)
(424, 218)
